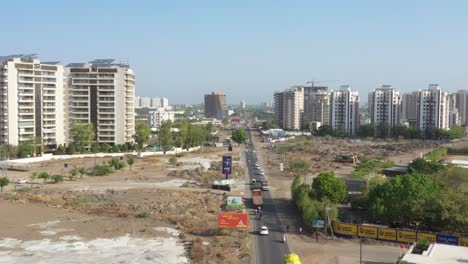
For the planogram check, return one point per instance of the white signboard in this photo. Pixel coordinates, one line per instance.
(234, 201)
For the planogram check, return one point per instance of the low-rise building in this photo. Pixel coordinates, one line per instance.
(156, 118)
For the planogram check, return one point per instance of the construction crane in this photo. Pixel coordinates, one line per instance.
(313, 82)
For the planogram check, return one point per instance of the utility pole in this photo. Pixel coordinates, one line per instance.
(360, 251)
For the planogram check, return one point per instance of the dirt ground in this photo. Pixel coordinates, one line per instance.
(166, 209)
(320, 154)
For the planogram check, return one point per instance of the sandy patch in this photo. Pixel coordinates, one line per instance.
(123, 249)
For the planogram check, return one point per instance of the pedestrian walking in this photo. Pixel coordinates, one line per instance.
(287, 228)
(300, 230)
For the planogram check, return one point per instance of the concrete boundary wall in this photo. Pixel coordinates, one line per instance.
(47, 157)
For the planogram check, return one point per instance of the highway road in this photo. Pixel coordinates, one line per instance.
(268, 249)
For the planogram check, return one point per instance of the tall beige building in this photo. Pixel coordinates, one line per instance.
(409, 112)
(344, 111)
(289, 108)
(432, 108)
(102, 92)
(32, 101)
(462, 106)
(384, 108)
(316, 105)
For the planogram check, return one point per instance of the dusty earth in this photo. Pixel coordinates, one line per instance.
(154, 213)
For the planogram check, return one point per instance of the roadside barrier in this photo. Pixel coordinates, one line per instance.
(347, 230)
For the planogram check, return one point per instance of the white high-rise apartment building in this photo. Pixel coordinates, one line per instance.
(156, 118)
(454, 115)
(409, 111)
(289, 107)
(32, 101)
(433, 108)
(384, 108)
(242, 104)
(164, 102)
(102, 93)
(147, 102)
(344, 111)
(155, 103)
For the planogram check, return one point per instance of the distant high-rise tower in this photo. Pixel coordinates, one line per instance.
(102, 93)
(432, 108)
(316, 105)
(384, 109)
(32, 101)
(164, 102)
(409, 111)
(215, 106)
(462, 106)
(344, 111)
(242, 104)
(289, 107)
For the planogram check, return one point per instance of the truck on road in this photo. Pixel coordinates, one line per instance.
(257, 199)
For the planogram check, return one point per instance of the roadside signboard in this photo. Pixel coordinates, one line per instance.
(227, 165)
(234, 201)
(317, 223)
(233, 220)
(225, 182)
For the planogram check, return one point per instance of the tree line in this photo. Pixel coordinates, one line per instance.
(432, 196)
(400, 131)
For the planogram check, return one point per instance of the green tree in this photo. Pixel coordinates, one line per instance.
(324, 130)
(82, 134)
(115, 148)
(225, 121)
(25, 150)
(400, 200)
(366, 130)
(326, 187)
(95, 147)
(130, 162)
(425, 166)
(165, 136)
(142, 134)
(71, 149)
(61, 150)
(8, 151)
(42, 175)
(239, 135)
(183, 134)
(4, 181)
(105, 148)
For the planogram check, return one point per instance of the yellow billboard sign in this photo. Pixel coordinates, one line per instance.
(367, 231)
(430, 237)
(406, 236)
(463, 241)
(345, 229)
(387, 234)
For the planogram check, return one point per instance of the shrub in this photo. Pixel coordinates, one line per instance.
(102, 170)
(56, 178)
(143, 215)
(173, 160)
(116, 163)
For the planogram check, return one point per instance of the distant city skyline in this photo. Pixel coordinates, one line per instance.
(249, 49)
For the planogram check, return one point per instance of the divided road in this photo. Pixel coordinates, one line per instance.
(268, 249)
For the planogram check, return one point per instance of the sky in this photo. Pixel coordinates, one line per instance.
(248, 49)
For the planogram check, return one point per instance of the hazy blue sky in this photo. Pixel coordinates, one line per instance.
(248, 49)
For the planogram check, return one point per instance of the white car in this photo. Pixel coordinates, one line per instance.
(22, 181)
(264, 230)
